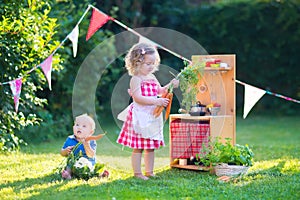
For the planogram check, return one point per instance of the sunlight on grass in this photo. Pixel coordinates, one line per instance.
(73, 184)
(28, 191)
(110, 153)
(29, 174)
(39, 165)
(124, 163)
(284, 166)
(7, 193)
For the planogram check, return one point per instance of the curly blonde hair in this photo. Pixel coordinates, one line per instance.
(136, 56)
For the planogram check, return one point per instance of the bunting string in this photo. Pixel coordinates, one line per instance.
(141, 36)
(283, 97)
(272, 93)
(54, 51)
(97, 20)
(84, 14)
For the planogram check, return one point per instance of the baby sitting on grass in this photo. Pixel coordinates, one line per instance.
(80, 148)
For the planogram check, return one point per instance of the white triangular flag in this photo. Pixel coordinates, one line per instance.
(252, 95)
(73, 36)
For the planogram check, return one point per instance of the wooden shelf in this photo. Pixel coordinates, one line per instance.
(217, 69)
(204, 118)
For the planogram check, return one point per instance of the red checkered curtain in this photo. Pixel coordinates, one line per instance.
(179, 137)
(187, 138)
(200, 136)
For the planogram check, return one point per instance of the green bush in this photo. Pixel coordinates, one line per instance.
(48, 128)
(26, 34)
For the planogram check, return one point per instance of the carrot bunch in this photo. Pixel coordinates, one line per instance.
(158, 110)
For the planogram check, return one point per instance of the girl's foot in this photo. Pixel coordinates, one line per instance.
(141, 176)
(150, 174)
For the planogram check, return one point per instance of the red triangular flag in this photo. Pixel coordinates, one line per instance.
(97, 20)
(47, 68)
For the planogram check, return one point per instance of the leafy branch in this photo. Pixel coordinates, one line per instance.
(189, 77)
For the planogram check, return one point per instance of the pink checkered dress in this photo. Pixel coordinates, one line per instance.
(129, 136)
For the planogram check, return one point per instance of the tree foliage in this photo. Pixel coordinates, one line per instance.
(264, 37)
(58, 113)
(26, 35)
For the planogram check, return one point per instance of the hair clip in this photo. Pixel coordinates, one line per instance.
(143, 51)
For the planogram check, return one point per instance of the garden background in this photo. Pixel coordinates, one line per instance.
(264, 35)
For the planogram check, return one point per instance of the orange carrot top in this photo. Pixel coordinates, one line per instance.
(96, 137)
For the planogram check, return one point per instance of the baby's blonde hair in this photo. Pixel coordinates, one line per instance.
(90, 119)
(136, 56)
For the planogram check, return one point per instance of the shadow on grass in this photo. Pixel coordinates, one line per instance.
(122, 188)
(116, 186)
(168, 184)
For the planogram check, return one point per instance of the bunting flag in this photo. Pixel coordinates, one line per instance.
(252, 95)
(47, 68)
(97, 20)
(73, 36)
(15, 87)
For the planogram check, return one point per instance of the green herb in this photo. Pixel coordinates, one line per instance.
(189, 77)
(216, 152)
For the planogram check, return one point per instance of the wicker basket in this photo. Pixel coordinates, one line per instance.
(224, 169)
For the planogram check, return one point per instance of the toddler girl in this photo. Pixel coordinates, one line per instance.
(141, 129)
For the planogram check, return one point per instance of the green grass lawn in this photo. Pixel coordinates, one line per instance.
(275, 141)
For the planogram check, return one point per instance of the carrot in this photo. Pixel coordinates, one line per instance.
(224, 178)
(221, 177)
(168, 109)
(97, 137)
(159, 109)
(170, 97)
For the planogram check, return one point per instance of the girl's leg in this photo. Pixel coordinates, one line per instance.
(149, 162)
(136, 158)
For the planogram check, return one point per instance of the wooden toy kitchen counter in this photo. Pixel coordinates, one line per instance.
(188, 133)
